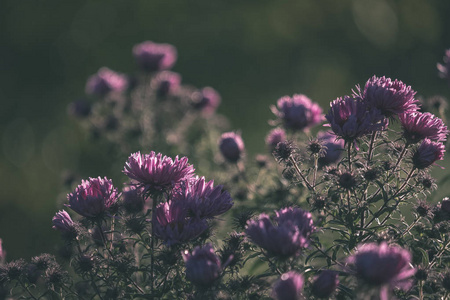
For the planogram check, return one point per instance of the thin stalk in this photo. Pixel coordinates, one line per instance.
(152, 246)
(402, 154)
(349, 151)
(27, 289)
(410, 227)
(393, 196)
(433, 262)
(308, 185)
(316, 167)
(370, 152)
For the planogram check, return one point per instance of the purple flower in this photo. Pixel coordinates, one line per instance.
(203, 266)
(390, 97)
(428, 153)
(325, 284)
(152, 57)
(334, 148)
(382, 264)
(157, 173)
(275, 136)
(203, 199)
(206, 100)
(104, 82)
(133, 200)
(231, 146)
(285, 236)
(166, 83)
(173, 226)
(93, 197)
(444, 69)
(349, 118)
(63, 223)
(288, 287)
(298, 112)
(418, 126)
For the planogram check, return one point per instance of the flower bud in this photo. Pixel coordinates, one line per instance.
(231, 146)
(288, 287)
(325, 284)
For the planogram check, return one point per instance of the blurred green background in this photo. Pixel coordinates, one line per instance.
(252, 52)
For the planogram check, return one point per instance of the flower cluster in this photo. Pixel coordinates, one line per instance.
(286, 236)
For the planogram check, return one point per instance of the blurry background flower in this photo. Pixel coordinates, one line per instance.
(251, 52)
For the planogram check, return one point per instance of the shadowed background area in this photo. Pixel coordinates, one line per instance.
(252, 52)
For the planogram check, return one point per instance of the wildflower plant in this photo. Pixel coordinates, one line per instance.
(341, 212)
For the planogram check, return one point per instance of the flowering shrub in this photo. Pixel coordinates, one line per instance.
(343, 215)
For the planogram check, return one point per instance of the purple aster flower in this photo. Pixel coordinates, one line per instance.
(203, 266)
(206, 100)
(382, 265)
(231, 146)
(298, 112)
(325, 284)
(152, 57)
(93, 197)
(444, 69)
(173, 226)
(203, 199)
(349, 118)
(286, 235)
(157, 173)
(288, 287)
(133, 200)
(104, 82)
(63, 223)
(275, 136)
(418, 126)
(166, 83)
(334, 148)
(390, 97)
(428, 153)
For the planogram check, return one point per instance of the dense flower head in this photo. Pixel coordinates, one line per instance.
(288, 287)
(63, 223)
(349, 118)
(286, 235)
(157, 173)
(325, 284)
(93, 197)
(206, 100)
(203, 266)
(428, 153)
(444, 69)
(173, 226)
(202, 199)
(382, 264)
(275, 136)
(166, 83)
(152, 57)
(333, 145)
(418, 126)
(390, 97)
(104, 82)
(298, 112)
(231, 146)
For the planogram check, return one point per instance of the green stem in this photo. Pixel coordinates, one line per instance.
(308, 185)
(370, 152)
